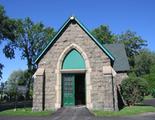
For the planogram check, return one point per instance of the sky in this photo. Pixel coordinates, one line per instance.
(119, 15)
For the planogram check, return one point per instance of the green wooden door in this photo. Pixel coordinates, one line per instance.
(68, 89)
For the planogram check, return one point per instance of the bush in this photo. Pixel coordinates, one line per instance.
(133, 90)
(153, 93)
(151, 82)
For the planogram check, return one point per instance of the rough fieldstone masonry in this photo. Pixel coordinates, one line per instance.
(100, 77)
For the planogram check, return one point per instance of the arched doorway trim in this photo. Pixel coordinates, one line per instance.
(58, 72)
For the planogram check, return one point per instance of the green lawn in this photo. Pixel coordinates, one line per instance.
(24, 112)
(148, 97)
(127, 111)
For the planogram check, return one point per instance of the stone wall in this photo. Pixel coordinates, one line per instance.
(119, 77)
(101, 85)
(38, 89)
(119, 101)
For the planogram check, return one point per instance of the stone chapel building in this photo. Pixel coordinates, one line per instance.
(75, 69)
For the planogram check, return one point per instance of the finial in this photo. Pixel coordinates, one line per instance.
(72, 17)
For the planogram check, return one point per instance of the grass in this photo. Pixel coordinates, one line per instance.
(127, 111)
(24, 112)
(149, 97)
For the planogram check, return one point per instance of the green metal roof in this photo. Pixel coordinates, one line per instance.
(121, 61)
(71, 19)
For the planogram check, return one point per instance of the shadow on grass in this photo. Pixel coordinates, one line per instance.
(149, 102)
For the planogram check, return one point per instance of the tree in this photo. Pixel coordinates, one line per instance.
(31, 39)
(7, 30)
(1, 67)
(16, 79)
(151, 78)
(143, 62)
(103, 34)
(133, 44)
(13, 85)
(28, 83)
(7, 26)
(151, 83)
(1, 91)
(133, 90)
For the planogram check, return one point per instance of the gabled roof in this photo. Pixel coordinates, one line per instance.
(71, 19)
(121, 61)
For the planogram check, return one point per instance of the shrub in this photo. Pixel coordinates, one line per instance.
(153, 92)
(133, 90)
(151, 83)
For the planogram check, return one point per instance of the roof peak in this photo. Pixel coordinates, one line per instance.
(72, 17)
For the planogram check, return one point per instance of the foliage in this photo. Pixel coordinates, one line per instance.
(132, 41)
(7, 29)
(153, 92)
(133, 90)
(7, 25)
(28, 81)
(150, 77)
(127, 111)
(103, 34)
(12, 82)
(143, 62)
(148, 97)
(1, 91)
(31, 39)
(1, 67)
(24, 112)
(17, 85)
(133, 44)
(151, 80)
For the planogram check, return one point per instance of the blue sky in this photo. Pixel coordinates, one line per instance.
(120, 15)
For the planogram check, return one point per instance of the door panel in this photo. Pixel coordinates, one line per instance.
(68, 89)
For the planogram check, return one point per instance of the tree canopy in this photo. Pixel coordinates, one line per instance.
(31, 38)
(7, 29)
(150, 77)
(133, 44)
(103, 34)
(132, 41)
(143, 62)
(7, 26)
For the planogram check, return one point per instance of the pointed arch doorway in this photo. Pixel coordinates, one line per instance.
(73, 79)
(59, 72)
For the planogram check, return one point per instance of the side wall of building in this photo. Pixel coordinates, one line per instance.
(119, 101)
(119, 77)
